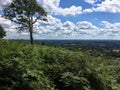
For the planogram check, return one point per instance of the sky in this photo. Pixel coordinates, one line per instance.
(71, 19)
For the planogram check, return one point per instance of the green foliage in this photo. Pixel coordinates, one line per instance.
(2, 32)
(74, 82)
(26, 67)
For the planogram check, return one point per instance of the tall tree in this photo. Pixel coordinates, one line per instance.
(2, 32)
(25, 13)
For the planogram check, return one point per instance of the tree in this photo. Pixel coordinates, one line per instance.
(2, 32)
(25, 13)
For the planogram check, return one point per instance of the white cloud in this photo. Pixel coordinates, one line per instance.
(112, 29)
(69, 25)
(73, 10)
(52, 7)
(84, 25)
(108, 31)
(10, 29)
(107, 25)
(4, 3)
(88, 10)
(68, 29)
(54, 28)
(111, 6)
(57, 29)
(90, 1)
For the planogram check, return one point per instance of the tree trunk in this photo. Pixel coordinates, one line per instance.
(31, 35)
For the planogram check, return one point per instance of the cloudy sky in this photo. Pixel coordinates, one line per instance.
(72, 19)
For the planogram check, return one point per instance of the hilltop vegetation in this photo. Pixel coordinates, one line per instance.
(26, 67)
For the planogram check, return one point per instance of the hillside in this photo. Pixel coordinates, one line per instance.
(40, 67)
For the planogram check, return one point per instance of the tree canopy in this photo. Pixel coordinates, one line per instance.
(2, 32)
(25, 13)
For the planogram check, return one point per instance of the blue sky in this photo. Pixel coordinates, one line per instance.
(94, 17)
(72, 19)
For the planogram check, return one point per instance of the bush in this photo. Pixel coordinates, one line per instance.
(26, 67)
